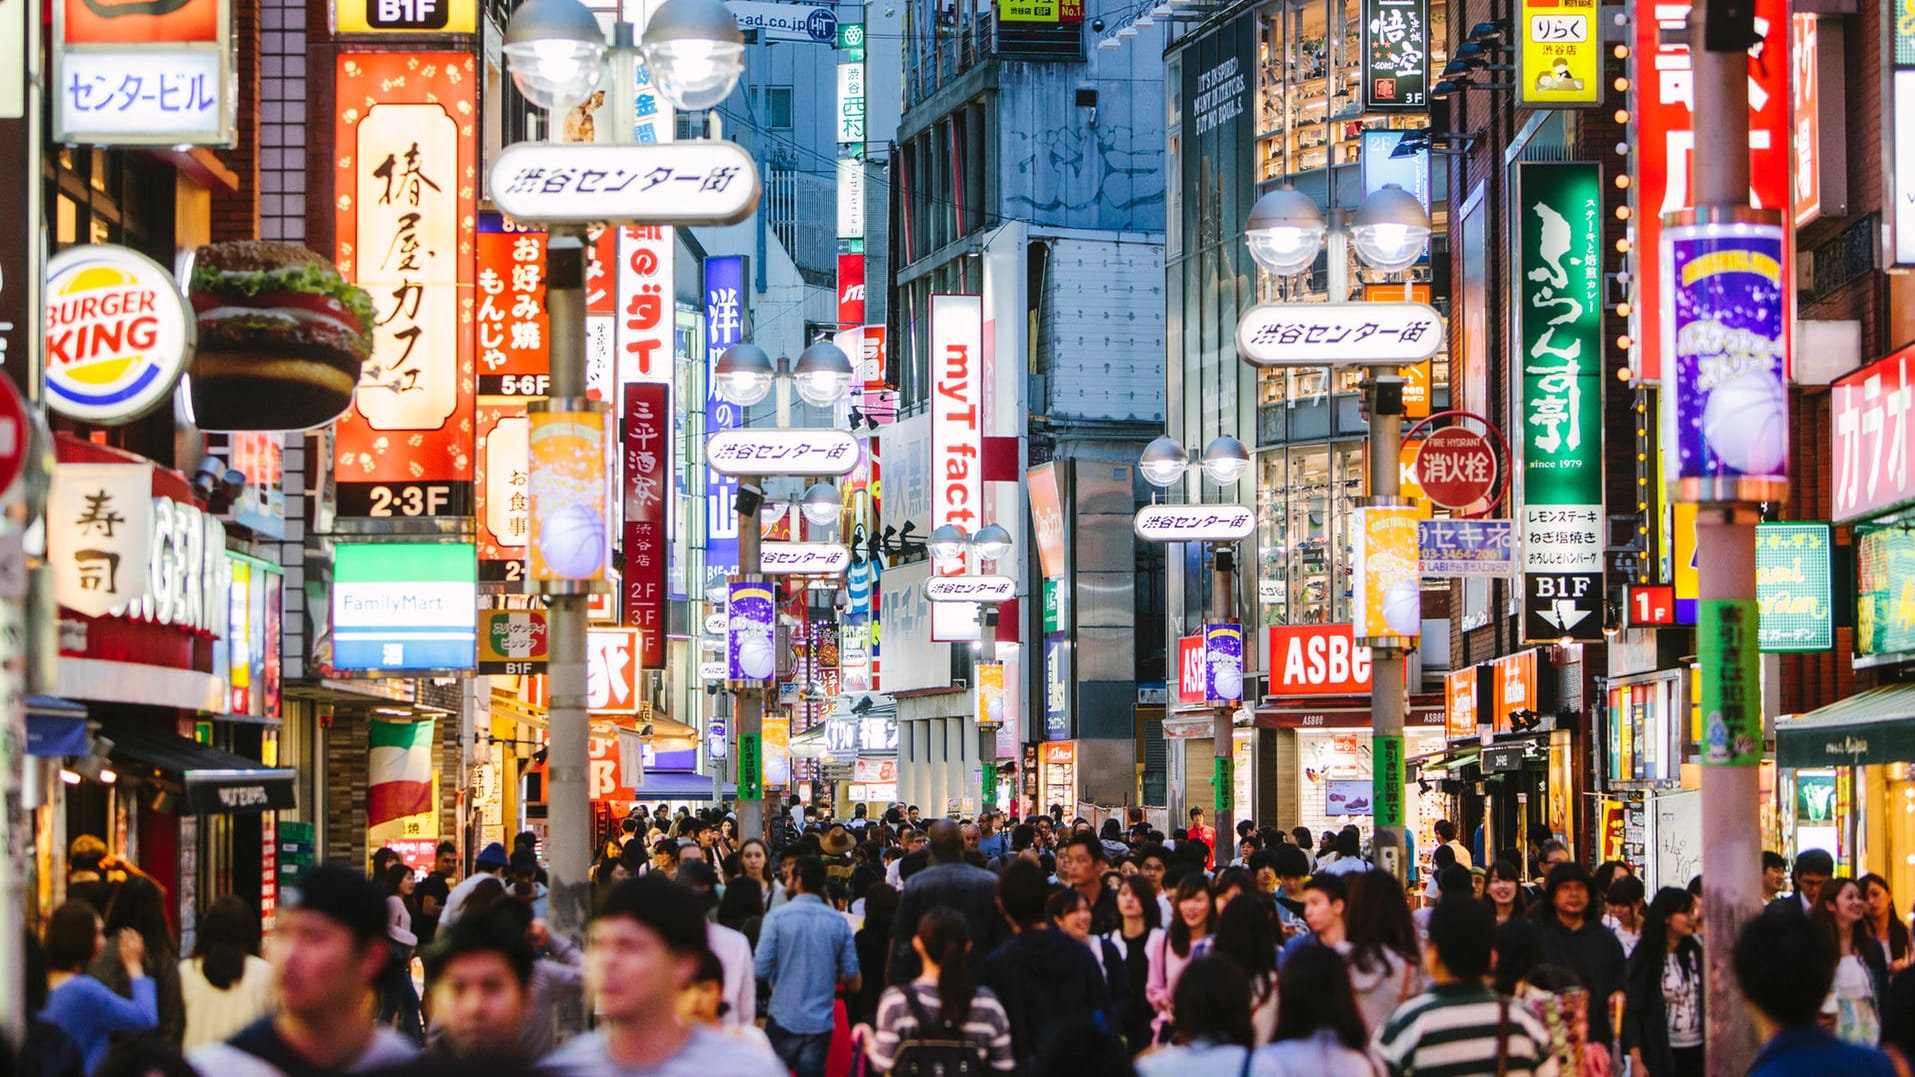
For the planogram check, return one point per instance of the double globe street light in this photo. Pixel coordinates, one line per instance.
(950, 544)
(558, 55)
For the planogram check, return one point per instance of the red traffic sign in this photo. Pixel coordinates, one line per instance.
(1652, 605)
(1456, 467)
(15, 435)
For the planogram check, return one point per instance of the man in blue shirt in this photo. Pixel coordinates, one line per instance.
(995, 844)
(1785, 966)
(805, 951)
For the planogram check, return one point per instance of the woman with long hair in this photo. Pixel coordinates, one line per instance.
(1139, 939)
(873, 943)
(1662, 1016)
(1246, 936)
(754, 863)
(398, 995)
(79, 1004)
(138, 903)
(1069, 911)
(1320, 1032)
(1861, 975)
(1213, 1025)
(1385, 961)
(1504, 891)
(1884, 924)
(1193, 918)
(941, 998)
(742, 909)
(225, 983)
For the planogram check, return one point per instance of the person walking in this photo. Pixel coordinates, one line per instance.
(1048, 982)
(1320, 1031)
(398, 997)
(1459, 1025)
(1214, 1035)
(79, 1004)
(329, 946)
(1081, 863)
(1574, 939)
(805, 950)
(1349, 850)
(432, 892)
(1503, 889)
(1854, 1004)
(1662, 1013)
(479, 982)
(1380, 946)
(1813, 867)
(224, 985)
(754, 863)
(1140, 940)
(1194, 918)
(949, 882)
(1785, 974)
(941, 1002)
(1246, 936)
(491, 864)
(1885, 926)
(1199, 831)
(643, 949)
(1069, 913)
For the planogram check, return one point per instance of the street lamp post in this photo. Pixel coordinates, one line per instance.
(991, 544)
(1164, 463)
(744, 375)
(1389, 230)
(556, 53)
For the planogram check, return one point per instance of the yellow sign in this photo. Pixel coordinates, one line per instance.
(1688, 578)
(1028, 11)
(990, 694)
(1560, 60)
(1388, 583)
(406, 16)
(568, 489)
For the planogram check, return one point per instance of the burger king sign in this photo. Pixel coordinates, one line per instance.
(118, 334)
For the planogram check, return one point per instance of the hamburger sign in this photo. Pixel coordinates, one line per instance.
(118, 334)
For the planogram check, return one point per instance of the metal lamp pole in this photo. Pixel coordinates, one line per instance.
(748, 702)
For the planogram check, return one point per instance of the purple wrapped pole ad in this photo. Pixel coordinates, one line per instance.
(749, 627)
(1223, 663)
(1726, 422)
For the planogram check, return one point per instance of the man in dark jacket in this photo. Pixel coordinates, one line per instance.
(1576, 940)
(1046, 980)
(1813, 867)
(950, 882)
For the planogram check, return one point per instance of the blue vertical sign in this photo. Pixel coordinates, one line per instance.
(724, 326)
(1057, 687)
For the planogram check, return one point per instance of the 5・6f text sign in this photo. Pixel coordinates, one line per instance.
(1559, 317)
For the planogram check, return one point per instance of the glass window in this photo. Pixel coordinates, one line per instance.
(1309, 537)
(777, 102)
(1273, 521)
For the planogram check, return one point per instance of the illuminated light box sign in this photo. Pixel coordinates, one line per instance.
(567, 497)
(118, 334)
(1559, 62)
(1389, 597)
(1793, 587)
(405, 606)
(1315, 660)
(1223, 662)
(1194, 523)
(1339, 334)
(803, 558)
(695, 182)
(1485, 548)
(970, 588)
(143, 73)
(782, 452)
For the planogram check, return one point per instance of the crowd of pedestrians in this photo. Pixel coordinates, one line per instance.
(900, 944)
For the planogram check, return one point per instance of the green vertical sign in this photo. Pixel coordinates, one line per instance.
(1053, 607)
(988, 771)
(1731, 665)
(1793, 587)
(1386, 782)
(1559, 332)
(751, 768)
(1224, 777)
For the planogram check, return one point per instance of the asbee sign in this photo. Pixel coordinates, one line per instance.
(118, 334)
(1315, 660)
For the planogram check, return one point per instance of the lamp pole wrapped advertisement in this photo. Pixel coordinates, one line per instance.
(749, 631)
(1223, 663)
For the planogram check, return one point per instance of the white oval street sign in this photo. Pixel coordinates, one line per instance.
(1194, 523)
(715, 624)
(782, 452)
(678, 183)
(970, 588)
(712, 671)
(803, 558)
(1339, 334)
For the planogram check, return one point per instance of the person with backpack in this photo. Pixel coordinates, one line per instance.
(940, 1022)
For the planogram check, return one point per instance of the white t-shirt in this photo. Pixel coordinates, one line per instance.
(1682, 1003)
(212, 1014)
(707, 1052)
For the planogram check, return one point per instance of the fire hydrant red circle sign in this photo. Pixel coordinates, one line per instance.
(1456, 468)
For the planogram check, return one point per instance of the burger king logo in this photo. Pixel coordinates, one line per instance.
(118, 334)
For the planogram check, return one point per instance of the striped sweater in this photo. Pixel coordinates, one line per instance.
(1451, 1030)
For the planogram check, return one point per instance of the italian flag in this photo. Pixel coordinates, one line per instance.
(401, 776)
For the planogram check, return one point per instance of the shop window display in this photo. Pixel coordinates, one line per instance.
(1304, 499)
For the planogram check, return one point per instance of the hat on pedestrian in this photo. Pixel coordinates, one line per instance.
(837, 841)
(342, 895)
(493, 856)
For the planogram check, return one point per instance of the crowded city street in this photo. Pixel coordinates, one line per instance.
(825, 538)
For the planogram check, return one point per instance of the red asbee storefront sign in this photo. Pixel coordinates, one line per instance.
(1315, 660)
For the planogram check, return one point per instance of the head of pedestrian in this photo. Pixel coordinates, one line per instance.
(479, 981)
(1153, 861)
(700, 880)
(1623, 901)
(1069, 912)
(703, 1000)
(1568, 888)
(1813, 867)
(643, 947)
(446, 862)
(1292, 868)
(1349, 843)
(523, 870)
(1230, 884)
(911, 839)
(329, 942)
(492, 860)
(1081, 861)
(1324, 898)
(805, 875)
(947, 843)
(1022, 892)
(1775, 872)
(837, 842)
(1196, 817)
(1553, 853)
(1209, 1004)
(1784, 971)
(1454, 881)
(1458, 950)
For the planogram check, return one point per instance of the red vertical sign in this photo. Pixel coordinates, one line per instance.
(850, 291)
(646, 532)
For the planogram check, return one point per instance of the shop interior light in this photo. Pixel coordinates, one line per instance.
(1284, 232)
(694, 51)
(556, 53)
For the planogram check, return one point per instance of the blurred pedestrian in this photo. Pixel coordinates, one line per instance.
(79, 1004)
(805, 950)
(1214, 1035)
(1785, 970)
(1320, 1031)
(225, 984)
(398, 996)
(433, 890)
(1854, 1004)
(1048, 982)
(941, 1015)
(491, 864)
(1885, 925)
(479, 982)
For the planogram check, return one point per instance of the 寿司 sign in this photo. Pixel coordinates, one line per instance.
(970, 588)
(1194, 523)
(782, 452)
(675, 183)
(803, 558)
(118, 334)
(1339, 334)
(1315, 660)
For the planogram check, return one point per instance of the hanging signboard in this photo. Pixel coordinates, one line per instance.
(957, 444)
(405, 606)
(1559, 56)
(851, 104)
(1190, 669)
(1793, 587)
(405, 17)
(1315, 660)
(504, 469)
(1396, 55)
(970, 589)
(1872, 470)
(1047, 518)
(679, 183)
(647, 532)
(1461, 548)
(771, 451)
(727, 316)
(143, 74)
(515, 356)
(1194, 523)
(611, 670)
(803, 558)
(806, 23)
(1559, 270)
(99, 523)
(405, 220)
(1339, 334)
(512, 642)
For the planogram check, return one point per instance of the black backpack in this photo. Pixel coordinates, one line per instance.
(936, 1048)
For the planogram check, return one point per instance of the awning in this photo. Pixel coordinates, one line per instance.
(1876, 726)
(215, 782)
(55, 727)
(679, 786)
(1453, 759)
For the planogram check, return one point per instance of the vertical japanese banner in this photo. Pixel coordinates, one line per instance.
(1396, 55)
(1559, 319)
(990, 694)
(99, 534)
(644, 313)
(502, 503)
(406, 218)
(601, 302)
(1223, 663)
(1664, 97)
(957, 477)
(647, 410)
(1732, 698)
(514, 330)
(725, 317)
(1726, 418)
(749, 628)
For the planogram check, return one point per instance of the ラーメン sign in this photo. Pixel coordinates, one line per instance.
(1339, 334)
(1194, 523)
(405, 606)
(782, 452)
(676, 183)
(1793, 588)
(118, 334)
